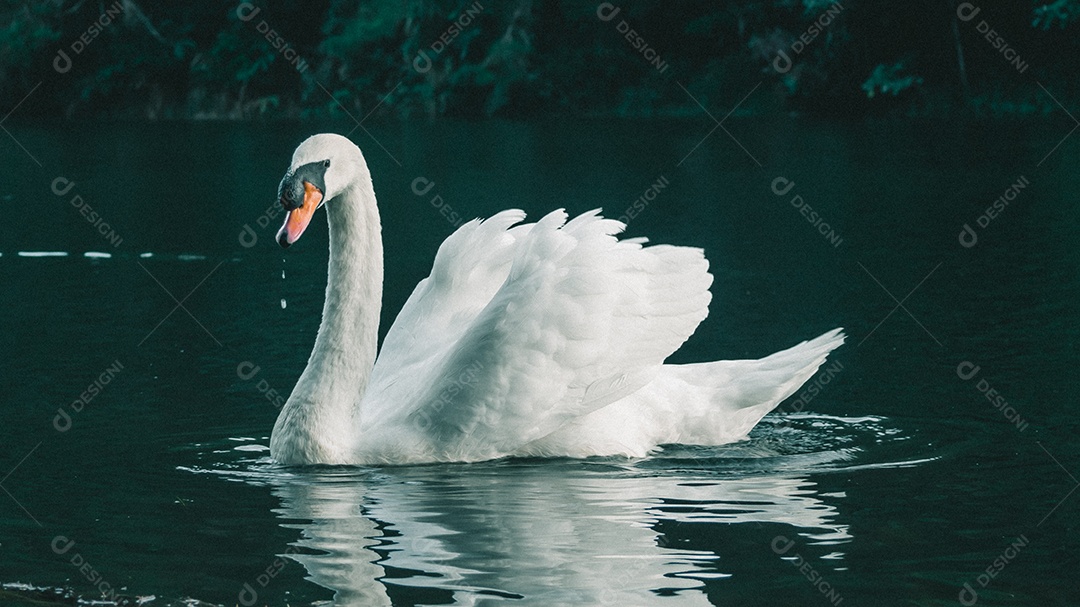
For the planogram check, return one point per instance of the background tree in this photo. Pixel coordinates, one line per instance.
(526, 57)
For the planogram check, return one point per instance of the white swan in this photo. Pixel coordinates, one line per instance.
(543, 339)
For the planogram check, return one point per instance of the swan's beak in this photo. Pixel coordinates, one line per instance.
(298, 218)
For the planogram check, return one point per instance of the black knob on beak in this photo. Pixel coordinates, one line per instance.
(291, 192)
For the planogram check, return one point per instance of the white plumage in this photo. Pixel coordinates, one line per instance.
(527, 339)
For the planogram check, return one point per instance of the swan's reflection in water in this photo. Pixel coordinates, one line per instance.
(544, 533)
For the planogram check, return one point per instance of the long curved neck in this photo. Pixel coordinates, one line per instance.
(349, 332)
(316, 424)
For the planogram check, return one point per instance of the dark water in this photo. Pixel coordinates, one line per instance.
(897, 482)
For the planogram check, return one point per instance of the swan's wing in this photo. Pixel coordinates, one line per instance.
(470, 266)
(531, 327)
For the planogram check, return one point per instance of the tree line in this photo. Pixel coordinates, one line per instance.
(522, 58)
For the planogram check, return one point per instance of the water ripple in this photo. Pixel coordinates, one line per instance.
(613, 528)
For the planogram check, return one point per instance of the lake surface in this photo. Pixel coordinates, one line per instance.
(141, 382)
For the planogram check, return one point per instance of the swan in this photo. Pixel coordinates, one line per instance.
(543, 339)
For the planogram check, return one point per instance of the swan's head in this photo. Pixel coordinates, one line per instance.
(323, 167)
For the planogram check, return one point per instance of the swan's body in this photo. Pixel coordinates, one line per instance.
(543, 339)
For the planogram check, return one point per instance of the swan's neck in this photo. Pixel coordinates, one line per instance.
(349, 332)
(318, 422)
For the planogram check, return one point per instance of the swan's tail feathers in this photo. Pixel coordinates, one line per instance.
(740, 392)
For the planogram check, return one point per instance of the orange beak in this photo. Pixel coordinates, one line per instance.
(298, 219)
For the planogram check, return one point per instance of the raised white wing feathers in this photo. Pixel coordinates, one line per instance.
(520, 330)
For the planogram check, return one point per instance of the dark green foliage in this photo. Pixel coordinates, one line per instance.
(201, 59)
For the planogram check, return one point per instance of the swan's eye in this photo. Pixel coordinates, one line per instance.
(326, 163)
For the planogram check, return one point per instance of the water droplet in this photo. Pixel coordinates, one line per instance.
(283, 303)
